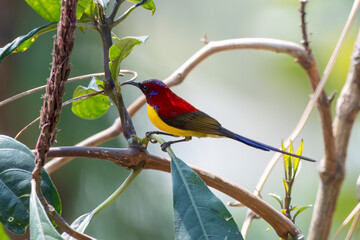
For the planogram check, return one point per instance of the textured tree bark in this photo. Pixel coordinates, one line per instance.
(332, 173)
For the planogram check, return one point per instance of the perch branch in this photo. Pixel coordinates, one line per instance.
(132, 157)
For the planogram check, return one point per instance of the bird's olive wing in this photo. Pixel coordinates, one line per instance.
(195, 121)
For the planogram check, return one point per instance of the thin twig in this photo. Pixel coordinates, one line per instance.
(131, 157)
(63, 105)
(305, 41)
(28, 92)
(26, 127)
(346, 221)
(115, 9)
(353, 226)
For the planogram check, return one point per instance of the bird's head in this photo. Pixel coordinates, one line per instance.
(150, 88)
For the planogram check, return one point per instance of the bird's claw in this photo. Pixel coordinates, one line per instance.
(164, 146)
(148, 136)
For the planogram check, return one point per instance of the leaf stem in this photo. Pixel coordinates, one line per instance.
(134, 173)
(162, 141)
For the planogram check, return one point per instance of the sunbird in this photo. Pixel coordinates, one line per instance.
(172, 114)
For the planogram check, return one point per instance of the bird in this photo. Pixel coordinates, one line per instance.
(176, 117)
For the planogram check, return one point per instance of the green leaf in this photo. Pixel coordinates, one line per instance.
(93, 107)
(149, 5)
(286, 185)
(23, 42)
(79, 224)
(120, 50)
(287, 160)
(48, 9)
(3, 235)
(198, 213)
(278, 198)
(300, 210)
(89, 12)
(16, 166)
(290, 168)
(296, 159)
(81, 6)
(40, 225)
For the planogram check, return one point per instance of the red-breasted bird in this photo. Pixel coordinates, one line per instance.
(174, 115)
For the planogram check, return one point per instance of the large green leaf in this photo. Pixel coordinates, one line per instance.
(48, 9)
(93, 107)
(16, 166)
(120, 50)
(198, 213)
(149, 5)
(23, 42)
(40, 226)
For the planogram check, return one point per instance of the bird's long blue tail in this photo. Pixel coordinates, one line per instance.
(259, 145)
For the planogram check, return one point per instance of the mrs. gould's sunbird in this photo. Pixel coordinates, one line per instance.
(174, 115)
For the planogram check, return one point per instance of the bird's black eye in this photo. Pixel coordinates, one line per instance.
(145, 88)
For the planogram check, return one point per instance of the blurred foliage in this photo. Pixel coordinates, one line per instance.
(248, 85)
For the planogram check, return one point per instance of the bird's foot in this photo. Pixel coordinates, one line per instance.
(165, 145)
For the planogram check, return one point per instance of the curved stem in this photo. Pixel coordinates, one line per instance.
(134, 173)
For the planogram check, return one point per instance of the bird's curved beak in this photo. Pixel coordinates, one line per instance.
(136, 84)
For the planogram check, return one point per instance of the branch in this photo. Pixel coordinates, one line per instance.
(111, 86)
(305, 41)
(132, 157)
(333, 173)
(114, 10)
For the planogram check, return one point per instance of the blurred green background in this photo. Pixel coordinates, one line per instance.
(257, 94)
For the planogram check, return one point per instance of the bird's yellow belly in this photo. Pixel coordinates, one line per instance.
(160, 124)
